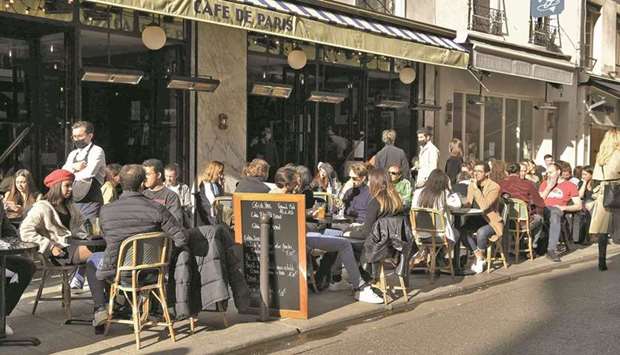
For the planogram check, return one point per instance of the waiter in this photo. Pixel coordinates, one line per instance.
(87, 162)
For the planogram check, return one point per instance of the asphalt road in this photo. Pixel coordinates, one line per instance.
(572, 310)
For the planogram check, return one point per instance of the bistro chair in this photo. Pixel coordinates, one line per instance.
(142, 255)
(384, 287)
(429, 228)
(66, 272)
(519, 224)
(495, 240)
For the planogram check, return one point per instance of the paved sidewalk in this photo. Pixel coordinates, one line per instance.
(326, 309)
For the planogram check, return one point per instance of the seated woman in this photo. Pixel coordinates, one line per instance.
(326, 180)
(52, 220)
(287, 181)
(20, 266)
(436, 194)
(210, 186)
(254, 176)
(22, 195)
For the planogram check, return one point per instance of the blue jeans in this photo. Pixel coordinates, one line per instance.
(97, 287)
(554, 216)
(345, 254)
(482, 238)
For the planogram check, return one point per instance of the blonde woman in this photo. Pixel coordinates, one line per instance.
(606, 171)
(210, 186)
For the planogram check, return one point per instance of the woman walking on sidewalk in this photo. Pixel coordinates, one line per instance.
(607, 171)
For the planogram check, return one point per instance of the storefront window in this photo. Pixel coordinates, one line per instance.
(493, 128)
(512, 130)
(473, 114)
(511, 140)
(48, 9)
(526, 141)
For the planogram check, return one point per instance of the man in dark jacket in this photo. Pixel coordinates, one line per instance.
(391, 155)
(254, 176)
(131, 214)
(23, 267)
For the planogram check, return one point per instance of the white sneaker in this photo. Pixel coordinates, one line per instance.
(341, 285)
(478, 267)
(8, 330)
(368, 295)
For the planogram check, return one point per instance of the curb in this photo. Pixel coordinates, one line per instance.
(398, 306)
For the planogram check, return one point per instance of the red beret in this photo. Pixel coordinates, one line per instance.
(56, 176)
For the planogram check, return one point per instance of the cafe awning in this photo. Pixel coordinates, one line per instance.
(521, 63)
(312, 24)
(609, 87)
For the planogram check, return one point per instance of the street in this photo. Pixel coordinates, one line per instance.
(573, 310)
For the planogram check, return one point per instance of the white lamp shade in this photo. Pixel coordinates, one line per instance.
(297, 59)
(153, 37)
(407, 75)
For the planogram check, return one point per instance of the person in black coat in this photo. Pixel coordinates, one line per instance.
(255, 174)
(455, 161)
(133, 213)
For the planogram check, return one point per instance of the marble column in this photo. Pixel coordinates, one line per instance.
(222, 53)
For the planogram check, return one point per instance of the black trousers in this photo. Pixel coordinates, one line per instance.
(24, 268)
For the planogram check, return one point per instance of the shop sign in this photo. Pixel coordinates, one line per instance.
(542, 8)
(243, 16)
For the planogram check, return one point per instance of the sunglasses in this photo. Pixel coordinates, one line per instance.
(394, 173)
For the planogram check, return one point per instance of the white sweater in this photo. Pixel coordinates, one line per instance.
(42, 226)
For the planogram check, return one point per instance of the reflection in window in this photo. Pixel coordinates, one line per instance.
(526, 142)
(511, 149)
(493, 128)
(472, 128)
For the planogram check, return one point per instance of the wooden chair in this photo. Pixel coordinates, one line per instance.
(66, 272)
(385, 288)
(148, 252)
(519, 224)
(429, 228)
(495, 240)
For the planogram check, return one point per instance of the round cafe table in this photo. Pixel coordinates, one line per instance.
(463, 213)
(14, 247)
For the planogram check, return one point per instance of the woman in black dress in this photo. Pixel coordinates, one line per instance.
(455, 161)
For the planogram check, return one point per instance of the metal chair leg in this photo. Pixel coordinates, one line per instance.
(66, 294)
(40, 291)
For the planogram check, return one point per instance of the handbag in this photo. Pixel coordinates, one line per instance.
(611, 195)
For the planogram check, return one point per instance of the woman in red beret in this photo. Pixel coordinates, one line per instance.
(54, 219)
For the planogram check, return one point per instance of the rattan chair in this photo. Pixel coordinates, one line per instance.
(223, 209)
(147, 252)
(519, 224)
(495, 240)
(429, 229)
(66, 272)
(383, 286)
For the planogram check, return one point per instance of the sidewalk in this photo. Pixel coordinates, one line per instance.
(211, 337)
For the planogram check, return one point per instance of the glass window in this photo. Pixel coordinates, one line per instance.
(493, 128)
(526, 142)
(472, 127)
(511, 150)
(457, 116)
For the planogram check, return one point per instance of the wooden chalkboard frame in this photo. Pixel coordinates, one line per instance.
(300, 201)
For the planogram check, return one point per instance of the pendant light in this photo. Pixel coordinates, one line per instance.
(297, 58)
(153, 36)
(407, 75)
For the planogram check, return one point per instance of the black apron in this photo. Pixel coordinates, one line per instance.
(86, 190)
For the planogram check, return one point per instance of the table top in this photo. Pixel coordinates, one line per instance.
(90, 241)
(466, 211)
(16, 246)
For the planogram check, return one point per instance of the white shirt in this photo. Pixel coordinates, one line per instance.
(95, 166)
(446, 200)
(184, 194)
(428, 160)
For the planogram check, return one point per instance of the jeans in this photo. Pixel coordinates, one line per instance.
(554, 216)
(345, 254)
(98, 288)
(24, 268)
(89, 210)
(482, 238)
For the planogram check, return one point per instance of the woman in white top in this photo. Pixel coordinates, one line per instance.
(435, 194)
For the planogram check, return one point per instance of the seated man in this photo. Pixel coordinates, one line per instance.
(557, 193)
(483, 193)
(131, 214)
(402, 185)
(20, 266)
(355, 193)
(525, 190)
(157, 191)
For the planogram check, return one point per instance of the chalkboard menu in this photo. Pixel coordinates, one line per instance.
(287, 250)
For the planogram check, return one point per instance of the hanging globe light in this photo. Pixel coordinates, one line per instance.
(297, 59)
(153, 37)
(407, 75)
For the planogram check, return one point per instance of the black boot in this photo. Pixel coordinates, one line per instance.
(602, 252)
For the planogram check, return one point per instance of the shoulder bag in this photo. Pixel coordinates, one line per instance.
(611, 194)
